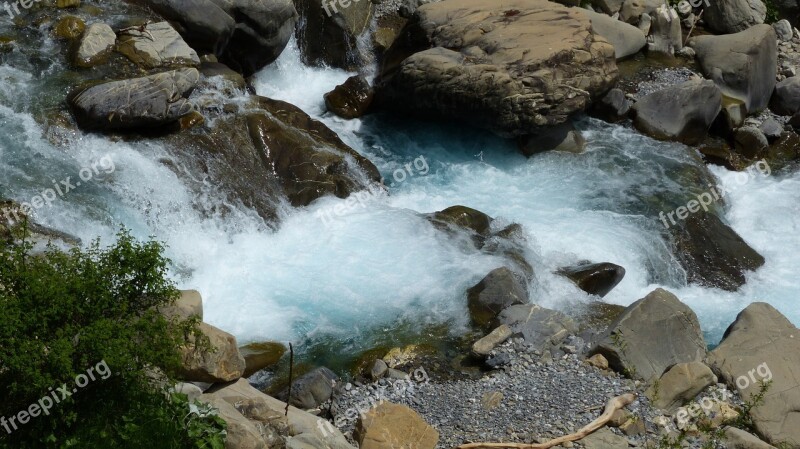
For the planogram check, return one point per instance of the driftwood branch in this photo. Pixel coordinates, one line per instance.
(612, 406)
(689, 34)
(291, 375)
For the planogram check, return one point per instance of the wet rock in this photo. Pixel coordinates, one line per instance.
(388, 426)
(258, 356)
(612, 108)
(350, 99)
(378, 369)
(626, 39)
(331, 30)
(562, 137)
(732, 16)
(154, 100)
(684, 112)
(761, 346)
(786, 98)
(652, 334)
(743, 65)
(465, 217)
(713, 254)
(500, 289)
(595, 279)
(96, 44)
(536, 325)
(536, 64)
(221, 362)
(287, 140)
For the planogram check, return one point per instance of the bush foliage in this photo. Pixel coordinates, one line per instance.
(63, 312)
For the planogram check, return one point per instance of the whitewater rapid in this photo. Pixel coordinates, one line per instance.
(378, 265)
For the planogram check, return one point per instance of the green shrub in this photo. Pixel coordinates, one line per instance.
(93, 313)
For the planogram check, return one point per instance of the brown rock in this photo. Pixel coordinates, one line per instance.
(389, 426)
(221, 363)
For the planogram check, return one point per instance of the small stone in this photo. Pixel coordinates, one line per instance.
(598, 361)
(378, 370)
(491, 400)
(783, 29)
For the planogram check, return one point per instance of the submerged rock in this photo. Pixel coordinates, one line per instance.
(763, 346)
(137, 103)
(653, 334)
(712, 253)
(508, 68)
(743, 65)
(595, 279)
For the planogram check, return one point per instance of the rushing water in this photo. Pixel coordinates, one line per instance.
(357, 271)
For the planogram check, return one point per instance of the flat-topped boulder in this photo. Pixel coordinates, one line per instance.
(509, 67)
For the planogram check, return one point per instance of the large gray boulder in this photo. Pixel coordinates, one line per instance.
(652, 334)
(204, 25)
(732, 16)
(330, 32)
(763, 346)
(510, 68)
(682, 112)
(135, 103)
(632, 10)
(501, 288)
(313, 388)
(626, 39)
(246, 34)
(743, 65)
(263, 28)
(786, 98)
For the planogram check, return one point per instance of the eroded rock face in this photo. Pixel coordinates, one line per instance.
(154, 100)
(732, 16)
(510, 68)
(652, 334)
(683, 112)
(762, 345)
(743, 65)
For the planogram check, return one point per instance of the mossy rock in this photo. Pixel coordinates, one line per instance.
(6, 44)
(69, 27)
(258, 356)
(465, 217)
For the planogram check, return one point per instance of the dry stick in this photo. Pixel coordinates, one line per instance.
(696, 19)
(291, 365)
(612, 406)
